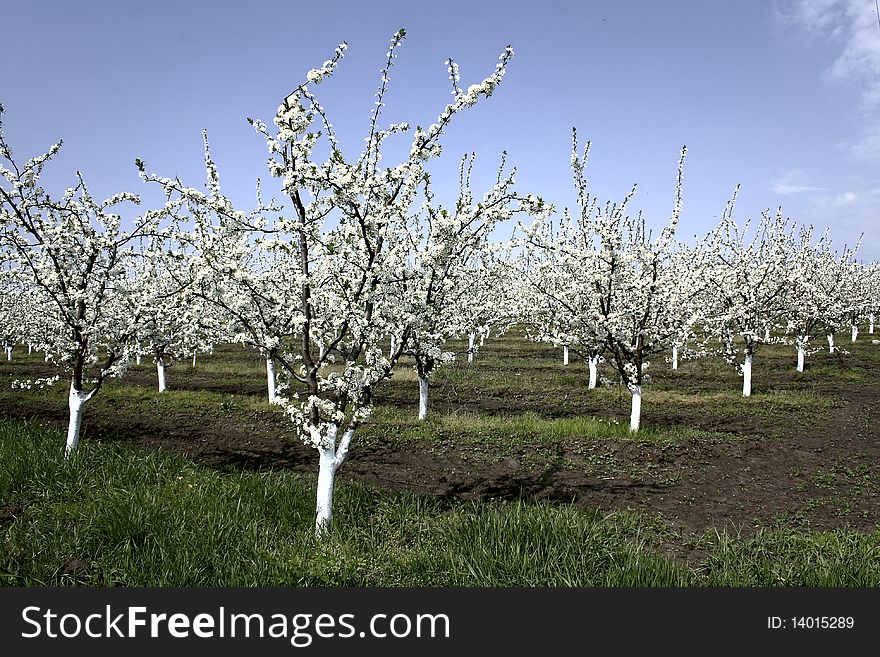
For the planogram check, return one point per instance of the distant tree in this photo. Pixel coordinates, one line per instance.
(621, 293)
(813, 299)
(748, 283)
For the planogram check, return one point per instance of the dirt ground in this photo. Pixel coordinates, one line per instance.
(821, 477)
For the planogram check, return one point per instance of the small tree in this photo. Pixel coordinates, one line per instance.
(349, 246)
(74, 254)
(813, 301)
(748, 284)
(622, 282)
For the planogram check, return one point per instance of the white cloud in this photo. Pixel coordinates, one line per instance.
(867, 147)
(847, 198)
(787, 190)
(789, 183)
(855, 25)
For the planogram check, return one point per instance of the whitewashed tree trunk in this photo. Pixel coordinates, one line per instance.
(9, 352)
(565, 354)
(138, 353)
(747, 375)
(76, 402)
(871, 324)
(830, 343)
(423, 398)
(30, 348)
(855, 332)
(393, 344)
(593, 363)
(471, 338)
(160, 371)
(767, 334)
(801, 354)
(330, 458)
(674, 357)
(482, 339)
(636, 415)
(194, 357)
(270, 381)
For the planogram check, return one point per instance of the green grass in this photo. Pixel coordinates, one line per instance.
(118, 516)
(114, 515)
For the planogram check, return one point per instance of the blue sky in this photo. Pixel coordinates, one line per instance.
(781, 97)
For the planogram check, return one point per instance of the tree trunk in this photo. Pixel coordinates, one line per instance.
(423, 397)
(270, 381)
(747, 375)
(330, 458)
(674, 357)
(830, 343)
(565, 354)
(471, 338)
(636, 414)
(871, 324)
(76, 402)
(855, 332)
(9, 352)
(593, 363)
(801, 355)
(194, 357)
(30, 348)
(160, 370)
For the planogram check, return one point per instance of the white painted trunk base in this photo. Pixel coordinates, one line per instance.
(830, 343)
(9, 352)
(565, 354)
(330, 458)
(324, 499)
(871, 324)
(76, 402)
(802, 353)
(855, 332)
(593, 364)
(747, 375)
(423, 398)
(194, 358)
(674, 357)
(471, 339)
(270, 381)
(160, 371)
(635, 415)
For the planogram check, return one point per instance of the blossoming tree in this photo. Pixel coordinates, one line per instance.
(347, 230)
(75, 255)
(622, 288)
(813, 302)
(748, 283)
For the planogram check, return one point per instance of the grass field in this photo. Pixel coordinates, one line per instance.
(520, 477)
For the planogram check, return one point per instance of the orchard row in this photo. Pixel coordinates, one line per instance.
(362, 266)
